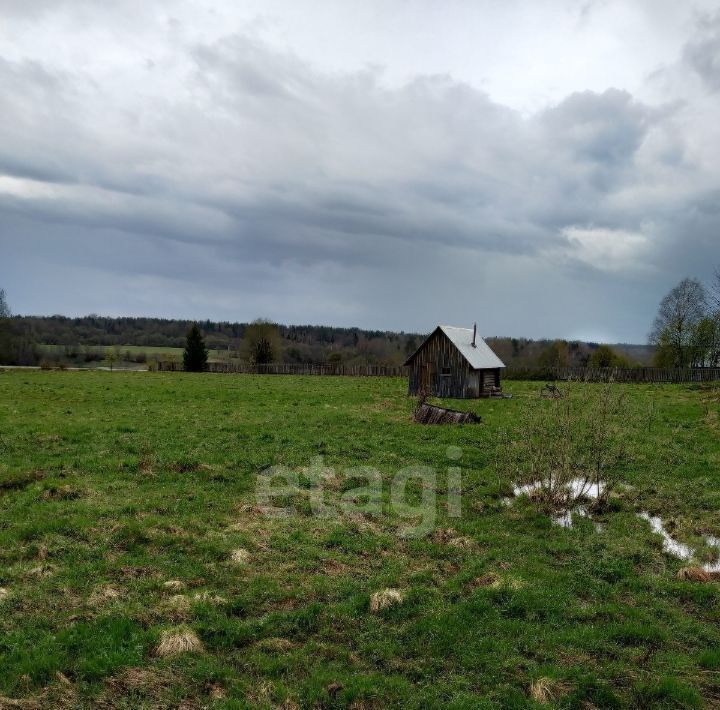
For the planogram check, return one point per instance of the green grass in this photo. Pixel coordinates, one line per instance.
(112, 484)
(152, 351)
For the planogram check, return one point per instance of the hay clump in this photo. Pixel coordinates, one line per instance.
(174, 584)
(174, 642)
(693, 574)
(546, 690)
(103, 595)
(240, 556)
(385, 598)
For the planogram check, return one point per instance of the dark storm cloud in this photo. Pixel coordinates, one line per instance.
(279, 189)
(703, 52)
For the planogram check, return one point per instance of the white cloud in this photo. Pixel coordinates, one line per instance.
(608, 249)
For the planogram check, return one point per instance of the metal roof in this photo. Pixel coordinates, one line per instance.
(480, 357)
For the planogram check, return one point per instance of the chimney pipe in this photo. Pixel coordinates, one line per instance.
(474, 334)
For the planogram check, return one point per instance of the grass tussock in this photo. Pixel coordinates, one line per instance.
(174, 584)
(240, 556)
(174, 642)
(386, 598)
(547, 690)
(694, 574)
(103, 595)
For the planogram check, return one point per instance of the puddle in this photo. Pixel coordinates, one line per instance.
(575, 490)
(565, 520)
(582, 489)
(678, 549)
(670, 545)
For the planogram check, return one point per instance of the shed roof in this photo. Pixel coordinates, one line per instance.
(480, 357)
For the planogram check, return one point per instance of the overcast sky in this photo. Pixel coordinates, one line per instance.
(543, 168)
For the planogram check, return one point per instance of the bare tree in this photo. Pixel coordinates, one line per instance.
(715, 293)
(680, 312)
(4, 308)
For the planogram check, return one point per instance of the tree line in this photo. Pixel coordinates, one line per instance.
(82, 341)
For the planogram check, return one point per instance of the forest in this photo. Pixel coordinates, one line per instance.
(87, 339)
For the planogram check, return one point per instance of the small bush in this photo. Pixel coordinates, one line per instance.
(569, 446)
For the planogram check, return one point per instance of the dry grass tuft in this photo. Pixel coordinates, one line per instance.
(175, 584)
(385, 599)
(240, 556)
(276, 644)
(217, 692)
(41, 571)
(137, 683)
(461, 542)
(693, 574)
(179, 601)
(209, 598)
(546, 690)
(490, 579)
(176, 607)
(174, 642)
(103, 595)
(450, 537)
(4, 593)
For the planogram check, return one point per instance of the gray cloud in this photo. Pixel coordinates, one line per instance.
(259, 184)
(702, 53)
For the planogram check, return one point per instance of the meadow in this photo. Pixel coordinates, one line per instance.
(127, 355)
(129, 512)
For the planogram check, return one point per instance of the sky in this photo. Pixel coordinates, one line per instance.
(545, 169)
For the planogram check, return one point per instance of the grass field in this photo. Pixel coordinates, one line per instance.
(152, 351)
(127, 496)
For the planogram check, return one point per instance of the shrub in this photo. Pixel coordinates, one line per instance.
(568, 447)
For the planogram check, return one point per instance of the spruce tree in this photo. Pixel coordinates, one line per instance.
(195, 355)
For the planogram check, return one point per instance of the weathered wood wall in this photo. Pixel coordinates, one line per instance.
(426, 369)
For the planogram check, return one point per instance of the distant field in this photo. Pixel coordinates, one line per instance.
(125, 495)
(150, 351)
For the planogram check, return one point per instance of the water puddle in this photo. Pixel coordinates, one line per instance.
(565, 520)
(575, 491)
(580, 490)
(678, 549)
(670, 545)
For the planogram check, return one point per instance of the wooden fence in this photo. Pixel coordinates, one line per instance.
(582, 374)
(617, 374)
(294, 369)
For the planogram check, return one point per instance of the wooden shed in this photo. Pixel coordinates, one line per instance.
(454, 362)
